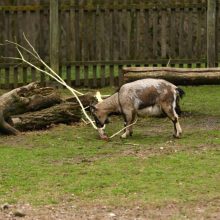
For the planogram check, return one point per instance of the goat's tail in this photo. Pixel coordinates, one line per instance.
(180, 94)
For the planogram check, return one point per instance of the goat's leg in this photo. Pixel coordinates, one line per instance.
(129, 117)
(169, 110)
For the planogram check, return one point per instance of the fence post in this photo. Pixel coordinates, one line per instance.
(54, 35)
(211, 33)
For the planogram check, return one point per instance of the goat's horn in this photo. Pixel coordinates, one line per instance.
(98, 96)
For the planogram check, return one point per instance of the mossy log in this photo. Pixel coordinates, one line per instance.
(179, 76)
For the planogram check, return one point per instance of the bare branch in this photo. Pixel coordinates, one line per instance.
(53, 75)
(123, 129)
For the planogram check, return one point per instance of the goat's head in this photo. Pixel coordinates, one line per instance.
(100, 116)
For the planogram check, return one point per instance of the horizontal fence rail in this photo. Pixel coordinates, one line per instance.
(98, 38)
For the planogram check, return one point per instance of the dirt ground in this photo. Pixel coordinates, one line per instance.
(70, 211)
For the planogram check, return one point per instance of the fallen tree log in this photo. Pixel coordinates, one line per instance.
(65, 112)
(179, 76)
(24, 99)
(32, 107)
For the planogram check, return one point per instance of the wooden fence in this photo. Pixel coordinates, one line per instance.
(94, 39)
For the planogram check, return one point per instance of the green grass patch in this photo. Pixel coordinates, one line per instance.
(70, 163)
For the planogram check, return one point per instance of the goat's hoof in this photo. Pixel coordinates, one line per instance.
(176, 136)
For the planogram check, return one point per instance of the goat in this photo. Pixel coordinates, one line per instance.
(141, 97)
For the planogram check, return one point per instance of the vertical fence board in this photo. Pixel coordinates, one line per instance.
(8, 73)
(102, 75)
(94, 71)
(86, 76)
(163, 34)
(155, 33)
(77, 75)
(111, 73)
(173, 35)
(33, 73)
(68, 75)
(211, 33)
(198, 33)
(14, 73)
(189, 33)
(25, 74)
(54, 35)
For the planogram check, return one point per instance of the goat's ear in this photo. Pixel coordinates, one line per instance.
(92, 108)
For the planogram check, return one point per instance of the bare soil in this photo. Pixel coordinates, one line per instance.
(70, 211)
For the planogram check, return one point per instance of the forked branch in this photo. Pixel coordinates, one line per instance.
(50, 72)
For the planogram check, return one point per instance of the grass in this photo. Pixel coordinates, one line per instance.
(70, 162)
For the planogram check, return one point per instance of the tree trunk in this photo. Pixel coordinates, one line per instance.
(180, 76)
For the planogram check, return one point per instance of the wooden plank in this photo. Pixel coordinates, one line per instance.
(77, 36)
(189, 33)
(204, 34)
(68, 75)
(163, 34)
(92, 7)
(14, 73)
(63, 36)
(68, 36)
(82, 32)
(111, 73)
(2, 77)
(133, 35)
(33, 74)
(103, 75)
(54, 35)
(86, 76)
(20, 72)
(173, 36)
(116, 44)
(199, 33)
(155, 33)
(141, 44)
(73, 75)
(120, 75)
(9, 71)
(123, 53)
(77, 75)
(24, 72)
(102, 34)
(211, 33)
(72, 33)
(90, 22)
(147, 35)
(94, 70)
(2, 39)
(181, 33)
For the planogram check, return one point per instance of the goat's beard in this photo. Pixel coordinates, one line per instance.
(102, 133)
